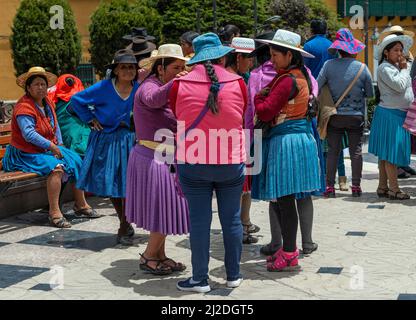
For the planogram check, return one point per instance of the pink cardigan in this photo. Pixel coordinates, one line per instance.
(187, 99)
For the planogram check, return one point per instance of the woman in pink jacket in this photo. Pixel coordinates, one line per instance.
(209, 104)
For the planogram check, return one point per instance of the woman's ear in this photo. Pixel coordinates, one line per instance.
(159, 70)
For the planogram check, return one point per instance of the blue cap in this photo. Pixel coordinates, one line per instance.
(208, 47)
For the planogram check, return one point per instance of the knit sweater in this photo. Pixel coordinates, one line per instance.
(395, 87)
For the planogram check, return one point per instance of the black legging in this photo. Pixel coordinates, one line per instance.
(288, 218)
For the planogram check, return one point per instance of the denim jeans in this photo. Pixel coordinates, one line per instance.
(198, 183)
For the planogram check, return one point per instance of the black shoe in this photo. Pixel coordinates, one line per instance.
(403, 175)
(249, 239)
(130, 231)
(267, 251)
(409, 170)
(310, 248)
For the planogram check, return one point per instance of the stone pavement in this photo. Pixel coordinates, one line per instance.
(366, 251)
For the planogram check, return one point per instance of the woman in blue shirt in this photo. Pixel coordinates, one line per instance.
(107, 107)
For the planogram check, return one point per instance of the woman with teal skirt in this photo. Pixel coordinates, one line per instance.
(75, 133)
(36, 144)
(389, 141)
(106, 107)
(290, 163)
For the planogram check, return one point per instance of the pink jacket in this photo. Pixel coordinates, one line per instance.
(188, 97)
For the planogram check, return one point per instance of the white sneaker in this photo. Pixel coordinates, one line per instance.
(234, 283)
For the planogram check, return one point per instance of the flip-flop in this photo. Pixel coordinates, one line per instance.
(87, 213)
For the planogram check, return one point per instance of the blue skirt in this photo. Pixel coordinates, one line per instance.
(104, 168)
(290, 162)
(389, 141)
(42, 163)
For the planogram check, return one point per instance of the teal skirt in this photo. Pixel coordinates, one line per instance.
(42, 163)
(290, 162)
(389, 141)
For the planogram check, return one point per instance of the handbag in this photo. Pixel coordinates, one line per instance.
(327, 108)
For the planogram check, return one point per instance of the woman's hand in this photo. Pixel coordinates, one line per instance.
(56, 151)
(264, 92)
(181, 74)
(402, 63)
(95, 125)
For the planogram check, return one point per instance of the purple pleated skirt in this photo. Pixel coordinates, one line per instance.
(152, 199)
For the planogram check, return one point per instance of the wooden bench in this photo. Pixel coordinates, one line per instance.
(21, 192)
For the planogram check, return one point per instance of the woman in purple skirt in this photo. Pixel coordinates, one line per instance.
(153, 202)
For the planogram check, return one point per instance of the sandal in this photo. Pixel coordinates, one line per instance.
(60, 222)
(160, 269)
(176, 267)
(383, 193)
(249, 239)
(251, 228)
(399, 195)
(86, 213)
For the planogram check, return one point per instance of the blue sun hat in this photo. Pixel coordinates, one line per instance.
(208, 47)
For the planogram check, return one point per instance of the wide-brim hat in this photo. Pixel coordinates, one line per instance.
(36, 71)
(287, 39)
(243, 45)
(146, 63)
(395, 30)
(208, 47)
(345, 41)
(122, 56)
(139, 32)
(141, 46)
(165, 51)
(262, 46)
(406, 41)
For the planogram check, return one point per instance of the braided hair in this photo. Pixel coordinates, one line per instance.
(212, 101)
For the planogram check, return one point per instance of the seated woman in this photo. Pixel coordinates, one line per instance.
(74, 132)
(36, 144)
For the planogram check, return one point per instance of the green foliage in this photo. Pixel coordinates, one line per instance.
(298, 14)
(35, 43)
(114, 19)
(181, 15)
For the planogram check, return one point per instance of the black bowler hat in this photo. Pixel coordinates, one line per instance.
(138, 32)
(122, 56)
(141, 46)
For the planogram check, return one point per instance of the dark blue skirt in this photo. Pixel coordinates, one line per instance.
(104, 168)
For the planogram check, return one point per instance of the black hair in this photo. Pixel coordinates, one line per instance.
(298, 62)
(228, 32)
(31, 79)
(188, 37)
(388, 48)
(231, 58)
(212, 101)
(161, 62)
(319, 26)
(263, 54)
(70, 81)
(344, 54)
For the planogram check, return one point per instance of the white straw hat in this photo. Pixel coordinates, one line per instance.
(287, 39)
(406, 41)
(243, 45)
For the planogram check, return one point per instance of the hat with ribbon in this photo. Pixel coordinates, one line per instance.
(141, 46)
(208, 47)
(243, 45)
(122, 56)
(138, 32)
(164, 51)
(406, 41)
(36, 71)
(345, 41)
(287, 39)
(397, 30)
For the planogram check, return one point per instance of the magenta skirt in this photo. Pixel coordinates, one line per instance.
(153, 201)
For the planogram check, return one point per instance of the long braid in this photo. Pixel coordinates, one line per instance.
(214, 89)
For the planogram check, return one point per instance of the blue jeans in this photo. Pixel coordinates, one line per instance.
(198, 183)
